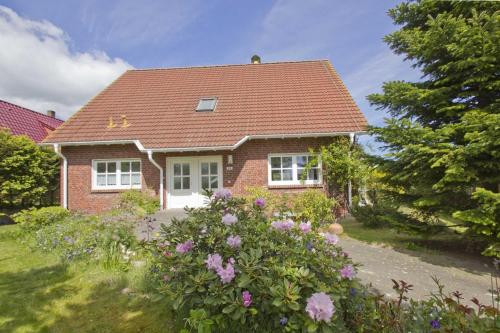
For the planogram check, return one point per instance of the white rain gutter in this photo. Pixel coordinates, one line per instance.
(150, 157)
(57, 149)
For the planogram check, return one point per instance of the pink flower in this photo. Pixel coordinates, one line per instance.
(229, 219)
(223, 194)
(231, 261)
(305, 227)
(184, 247)
(247, 298)
(331, 238)
(283, 225)
(260, 202)
(320, 307)
(214, 261)
(166, 278)
(226, 274)
(234, 241)
(348, 272)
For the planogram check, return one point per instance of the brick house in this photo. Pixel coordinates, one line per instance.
(177, 131)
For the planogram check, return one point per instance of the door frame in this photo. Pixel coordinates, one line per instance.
(195, 174)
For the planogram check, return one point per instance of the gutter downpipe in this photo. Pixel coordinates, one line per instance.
(150, 157)
(57, 149)
(349, 185)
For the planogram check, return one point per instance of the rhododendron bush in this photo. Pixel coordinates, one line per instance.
(228, 267)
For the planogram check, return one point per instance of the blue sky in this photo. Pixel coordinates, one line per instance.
(93, 41)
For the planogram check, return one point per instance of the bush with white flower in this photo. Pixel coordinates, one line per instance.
(227, 267)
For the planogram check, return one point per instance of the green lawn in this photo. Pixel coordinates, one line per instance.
(40, 294)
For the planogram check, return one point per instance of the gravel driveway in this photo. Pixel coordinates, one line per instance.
(468, 275)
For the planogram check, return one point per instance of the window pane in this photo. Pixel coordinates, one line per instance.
(101, 167)
(101, 180)
(111, 167)
(136, 166)
(313, 174)
(300, 172)
(276, 175)
(286, 162)
(204, 182)
(125, 166)
(312, 158)
(177, 183)
(287, 175)
(301, 161)
(177, 169)
(204, 168)
(112, 179)
(125, 179)
(214, 182)
(136, 179)
(213, 168)
(185, 183)
(275, 162)
(185, 169)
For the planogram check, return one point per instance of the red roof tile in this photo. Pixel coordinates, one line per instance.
(25, 121)
(254, 99)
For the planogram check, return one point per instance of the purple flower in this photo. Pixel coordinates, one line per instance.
(234, 241)
(231, 261)
(223, 194)
(184, 247)
(283, 321)
(435, 324)
(260, 202)
(347, 272)
(226, 274)
(247, 298)
(214, 261)
(331, 238)
(229, 219)
(309, 246)
(283, 225)
(305, 227)
(320, 307)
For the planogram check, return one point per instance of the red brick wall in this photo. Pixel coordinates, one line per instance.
(249, 168)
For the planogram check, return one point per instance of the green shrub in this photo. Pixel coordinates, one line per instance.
(34, 219)
(275, 203)
(314, 206)
(260, 285)
(138, 202)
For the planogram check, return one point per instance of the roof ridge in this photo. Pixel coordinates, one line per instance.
(33, 111)
(227, 65)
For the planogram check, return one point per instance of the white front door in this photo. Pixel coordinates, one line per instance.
(188, 176)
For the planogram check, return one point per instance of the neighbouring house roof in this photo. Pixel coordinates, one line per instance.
(25, 121)
(286, 98)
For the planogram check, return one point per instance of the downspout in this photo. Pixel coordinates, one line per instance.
(150, 157)
(57, 149)
(349, 185)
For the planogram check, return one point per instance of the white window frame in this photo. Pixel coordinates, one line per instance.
(295, 180)
(118, 174)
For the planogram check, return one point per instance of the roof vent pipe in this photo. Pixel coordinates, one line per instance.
(255, 59)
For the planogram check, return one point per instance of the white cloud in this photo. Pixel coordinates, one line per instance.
(39, 71)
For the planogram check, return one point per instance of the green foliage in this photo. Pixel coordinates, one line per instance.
(281, 269)
(443, 134)
(28, 173)
(275, 202)
(314, 206)
(484, 219)
(138, 202)
(33, 219)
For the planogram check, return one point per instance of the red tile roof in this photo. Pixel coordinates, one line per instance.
(25, 121)
(286, 98)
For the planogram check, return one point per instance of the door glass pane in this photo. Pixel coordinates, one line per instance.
(125, 166)
(125, 179)
(177, 183)
(136, 166)
(112, 179)
(136, 179)
(112, 167)
(213, 168)
(287, 161)
(101, 167)
(204, 182)
(214, 182)
(177, 169)
(204, 168)
(275, 162)
(287, 175)
(101, 180)
(185, 183)
(185, 169)
(276, 175)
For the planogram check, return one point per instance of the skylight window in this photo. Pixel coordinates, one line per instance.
(206, 104)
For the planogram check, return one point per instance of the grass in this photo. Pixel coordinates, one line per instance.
(38, 293)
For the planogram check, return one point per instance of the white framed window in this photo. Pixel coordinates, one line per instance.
(290, 169)
(116, 174)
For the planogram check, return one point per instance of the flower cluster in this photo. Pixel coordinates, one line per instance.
(184, 247)
(305, 227)
(247, 298)
(260, 202)
(331, 238)
(214, 263)
(320, 307)
(348, 272)
(223, 194)
(234, 241)
(283, 225)
(229, 219)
